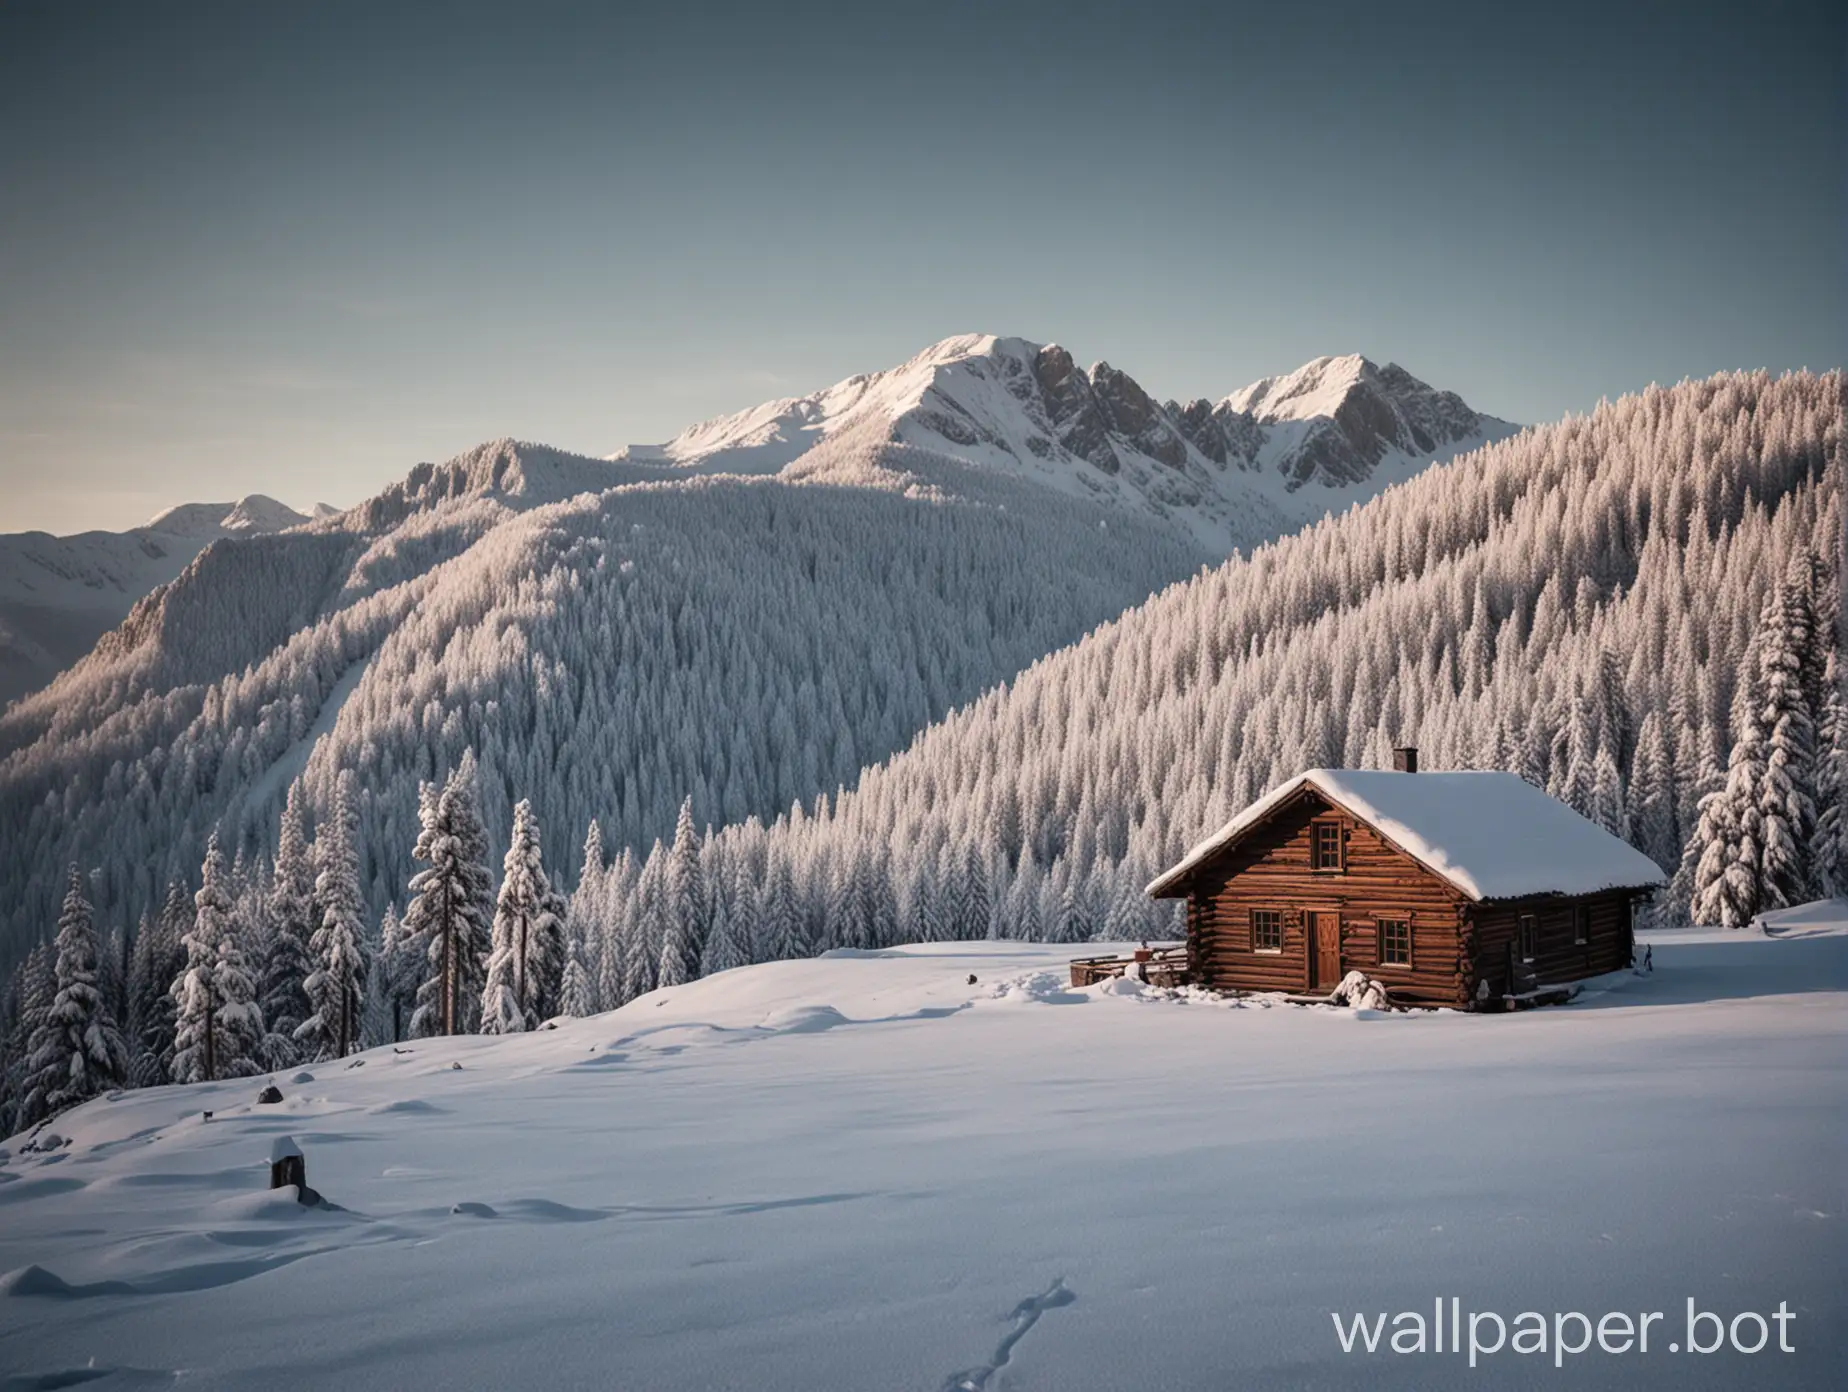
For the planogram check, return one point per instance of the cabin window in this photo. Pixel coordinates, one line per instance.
(1325, 848)
(1526, 936)
(1266, 930)
(1395, 942)
(1581, 925)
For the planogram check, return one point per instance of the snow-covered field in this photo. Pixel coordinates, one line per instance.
(865, 1173)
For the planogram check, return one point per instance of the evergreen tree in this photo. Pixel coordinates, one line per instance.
(684, 917)
(451, 906)
(336, 988)
(218, 1026)
(1607, 800)
(1786, 795)
(286, 959)
(642, 927)
(976, 909)
(781, 937)
(1652, 797)
(587, 910)
(526, 960)
(399, 971)
(1832, 784)
(157, 959)
(76, 1050)
(112, 981)
(574, 995)
(1728, 866)
(1023, 909)
(35, 988)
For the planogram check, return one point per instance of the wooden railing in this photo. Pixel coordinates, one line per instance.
(1160, 966)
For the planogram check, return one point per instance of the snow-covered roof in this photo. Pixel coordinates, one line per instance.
(1492, 835)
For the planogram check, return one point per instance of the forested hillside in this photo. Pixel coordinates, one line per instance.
(1633, 609)
(705, 618)
(750, 642)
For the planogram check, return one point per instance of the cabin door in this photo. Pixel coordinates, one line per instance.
(1325, 954)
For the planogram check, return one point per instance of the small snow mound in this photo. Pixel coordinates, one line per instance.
(36, 1280)
(1124, 985)
(303, 1077)
(804, 1019)
(1041, 988)
(32, 1280)
(404, 1106)
(475, 1210)
(284, 1148)
(1365, 995)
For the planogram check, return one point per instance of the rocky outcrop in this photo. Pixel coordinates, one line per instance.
(1220, 431)
(1334, 419)
(1135, 416)
(1078, 420)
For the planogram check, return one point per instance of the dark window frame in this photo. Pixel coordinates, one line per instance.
(1581, 925)
(1339, 843)
(1404, 920)
(1527, 936)
(1269, 949)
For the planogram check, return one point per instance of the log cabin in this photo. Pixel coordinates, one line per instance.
(1472, 890)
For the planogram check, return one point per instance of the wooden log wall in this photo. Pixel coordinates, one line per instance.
(1271, 869)
(1557, 958)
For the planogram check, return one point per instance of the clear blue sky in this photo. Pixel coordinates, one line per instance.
(295, 249)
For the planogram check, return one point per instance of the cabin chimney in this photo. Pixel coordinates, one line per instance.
(1405, 759)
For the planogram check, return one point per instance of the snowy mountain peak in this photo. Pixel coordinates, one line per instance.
(253, 513)
(1230, 471)
(258, 513)
(1334, 420)
(517, 474)
(1317, 388)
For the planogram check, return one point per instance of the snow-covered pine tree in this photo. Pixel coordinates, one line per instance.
(286, 960)
(526, 958)
(35, 986)
(1607, 794)
(152, 965)
(685, 910)
(741, 911)
(586, 910)
(922, 919)
(574, 993)
(452, 905)
(780, 936)
(336, 988)
(218, 1026)
(642, 928)
(112, 980)
(76, 1050)
(1786, 794)
(1023, 898)
(1832, 782)
(399, 971)
(1652, 797)
(727, 942)
(975, 908)
(1728, 887)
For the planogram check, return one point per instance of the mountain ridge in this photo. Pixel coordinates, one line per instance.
(60, 594)
(1267, 458)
